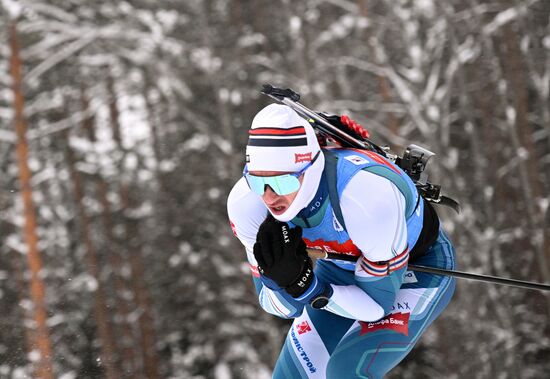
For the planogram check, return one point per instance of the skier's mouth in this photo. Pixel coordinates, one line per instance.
(278, 209)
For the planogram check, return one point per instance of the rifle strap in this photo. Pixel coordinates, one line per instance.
(331, 165)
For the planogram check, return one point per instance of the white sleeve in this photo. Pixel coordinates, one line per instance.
(354, 303)
(374, 212)
(246, 213)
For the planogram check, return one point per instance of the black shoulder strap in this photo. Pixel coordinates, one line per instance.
(331, 163)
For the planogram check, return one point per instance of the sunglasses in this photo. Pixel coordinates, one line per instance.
(281, 184)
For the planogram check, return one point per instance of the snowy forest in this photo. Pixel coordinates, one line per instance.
(122, 130)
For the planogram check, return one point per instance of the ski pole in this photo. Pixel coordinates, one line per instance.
(320, 254)
(482, 278)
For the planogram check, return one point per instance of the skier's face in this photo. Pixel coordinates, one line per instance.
(277, 204)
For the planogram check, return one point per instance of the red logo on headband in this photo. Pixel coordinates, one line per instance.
(298, 158)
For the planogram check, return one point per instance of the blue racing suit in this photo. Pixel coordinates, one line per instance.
(378, 308)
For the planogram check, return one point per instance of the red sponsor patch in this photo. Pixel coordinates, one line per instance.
(303, 327)
(398, 322)
(302, 157)
(233, 228)
(347, 248)
(254, 270)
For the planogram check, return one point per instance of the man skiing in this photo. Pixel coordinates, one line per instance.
(352, 319)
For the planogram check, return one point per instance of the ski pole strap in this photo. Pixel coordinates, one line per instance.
(321, 254)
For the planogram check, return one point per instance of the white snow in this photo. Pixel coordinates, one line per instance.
(251, 39)
(167, 165)
(50, 10)
(214, 193)
(500, 19)
(451, 158)
(20, 373)
(433, 112)
(7, 136)
(134, 127)
(34, 355)
(510, 114)
(55, 320)
(15, 243)
(169, 18)
(197, 142)
(295, 24)
(84, 281)
(4, 369)
(203, 58)
(224, 145)
(68, 375)
(60, 55)
(236, 97)
(425, 7)
(13, 8)
(416, 54)
(223, 94)
(224, 241)
(222, 371)
(467, 50)
(144, 210)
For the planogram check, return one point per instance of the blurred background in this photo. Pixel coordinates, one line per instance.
(122, 131)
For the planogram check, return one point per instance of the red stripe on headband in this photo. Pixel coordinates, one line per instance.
(299, 130)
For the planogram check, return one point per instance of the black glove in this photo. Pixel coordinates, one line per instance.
(282, 256)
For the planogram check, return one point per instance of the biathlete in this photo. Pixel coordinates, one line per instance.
(351, 319)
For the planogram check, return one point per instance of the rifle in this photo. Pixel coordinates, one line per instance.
(413, 162)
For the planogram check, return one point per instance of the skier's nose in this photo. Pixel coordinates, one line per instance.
(269, 195)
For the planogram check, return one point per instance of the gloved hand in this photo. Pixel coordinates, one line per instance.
(282, 257)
